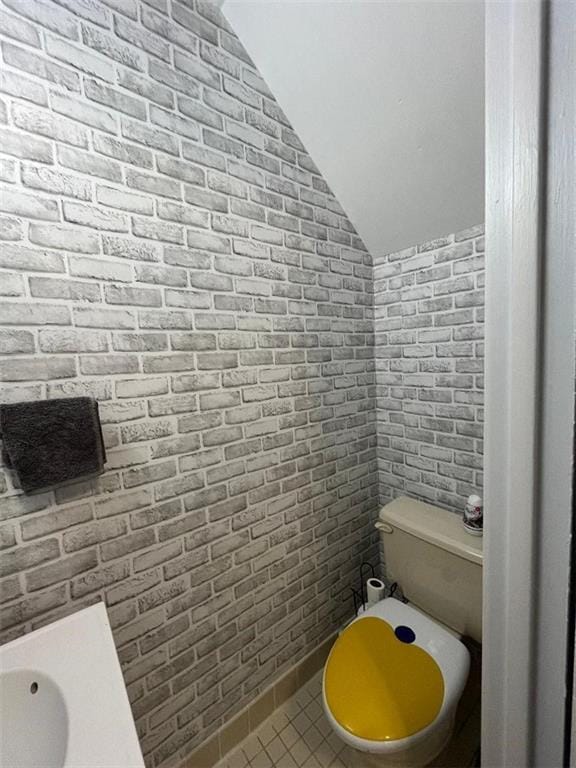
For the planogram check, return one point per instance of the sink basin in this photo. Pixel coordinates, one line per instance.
(27, 695)
(63, 703)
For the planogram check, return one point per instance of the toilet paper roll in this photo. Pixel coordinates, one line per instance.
(375, 590)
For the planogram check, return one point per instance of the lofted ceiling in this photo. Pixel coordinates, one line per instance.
(388, 98)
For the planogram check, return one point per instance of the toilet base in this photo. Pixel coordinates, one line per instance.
(416, 755)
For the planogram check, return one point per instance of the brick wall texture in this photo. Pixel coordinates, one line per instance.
(170, 248)
(429, 351)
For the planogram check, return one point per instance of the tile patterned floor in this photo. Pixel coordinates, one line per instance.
(297, 734)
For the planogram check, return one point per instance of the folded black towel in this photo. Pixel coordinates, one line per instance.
(51, 441)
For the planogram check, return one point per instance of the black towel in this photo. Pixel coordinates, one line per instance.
(51, 441)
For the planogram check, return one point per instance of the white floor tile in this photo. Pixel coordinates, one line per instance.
(251, 746)
(325, 754)
(301, 722)
(236, 759)
(287, 761)
(314, 711)
(289, 735)
(323, 726)
(266, 732)
(314, 687)
(291, 708)
(276, 749)
(313, 738)
(262, 760)
(300, 752)
(279, 720)
(303, 697)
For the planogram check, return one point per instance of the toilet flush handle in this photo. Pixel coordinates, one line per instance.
(384, 527)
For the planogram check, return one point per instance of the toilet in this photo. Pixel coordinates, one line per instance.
(395, 675)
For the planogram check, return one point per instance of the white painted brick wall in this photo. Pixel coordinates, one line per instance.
(170, 248)
(429, 326)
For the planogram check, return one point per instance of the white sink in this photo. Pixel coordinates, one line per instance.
(63, 703)
(27, 695)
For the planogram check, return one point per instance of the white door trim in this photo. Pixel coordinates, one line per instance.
(552, 643)
(529, 384)
(513, 236)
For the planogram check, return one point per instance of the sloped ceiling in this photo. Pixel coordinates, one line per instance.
(388, 98)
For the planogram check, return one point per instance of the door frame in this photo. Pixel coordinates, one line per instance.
(530, 342)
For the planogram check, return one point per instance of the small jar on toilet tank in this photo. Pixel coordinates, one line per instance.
(473, 517)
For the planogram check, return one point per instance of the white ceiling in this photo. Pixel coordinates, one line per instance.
(388, 98)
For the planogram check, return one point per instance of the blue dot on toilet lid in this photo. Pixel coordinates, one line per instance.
(405, 634)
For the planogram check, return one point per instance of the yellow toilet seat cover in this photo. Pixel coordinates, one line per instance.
(378, 687)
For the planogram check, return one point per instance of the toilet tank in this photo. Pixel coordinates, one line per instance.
(435, 561)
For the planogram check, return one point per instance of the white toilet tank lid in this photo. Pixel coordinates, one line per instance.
(437, 526)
